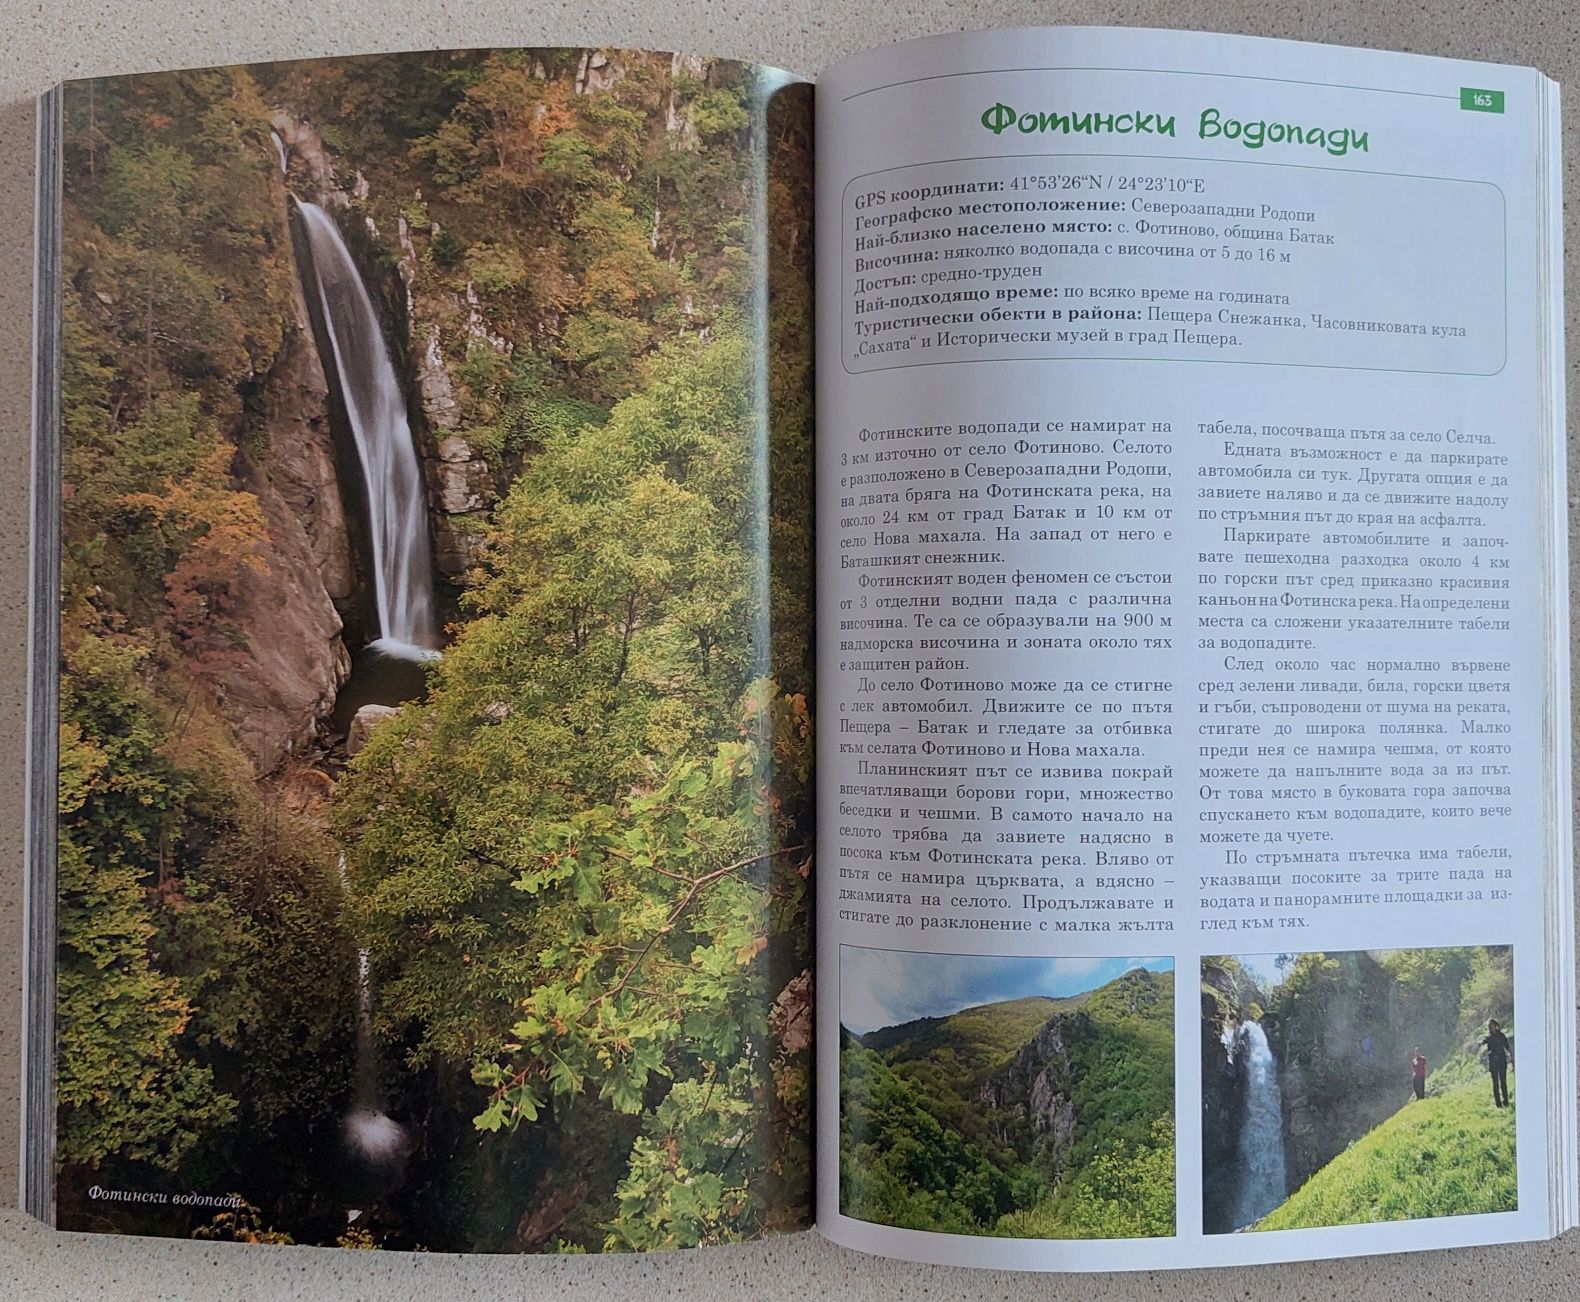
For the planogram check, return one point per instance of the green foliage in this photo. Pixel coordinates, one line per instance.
(495, 268)
(568, 873)
(577, 222)
(123, 1086)
(445, 249)
(1125, 1192)
(1448, 1155)
(175, 237)
(513, 405)
(921, 1149)
(717, 112)
(602, 646)
(680, 899)
(899, 1165)
(1124, 1065)
(202, 974)
(686, 1185)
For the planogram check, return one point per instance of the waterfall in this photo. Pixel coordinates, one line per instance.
(376, 409)
(360, 366)
(368, 1129)
(279, 152)
(1262, 1180)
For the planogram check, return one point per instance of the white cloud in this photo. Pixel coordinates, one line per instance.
(879, 987)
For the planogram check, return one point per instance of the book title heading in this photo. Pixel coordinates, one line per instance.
(1213, 124)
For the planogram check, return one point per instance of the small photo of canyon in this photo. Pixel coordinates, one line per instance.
(1027, 1098)
(1346, 1088)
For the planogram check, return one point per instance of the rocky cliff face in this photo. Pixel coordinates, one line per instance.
(462, 486)
(301, 459)
(1228, 998)
(289, 615)
(280, 693)
(1335, 1094)
(1028, 1099)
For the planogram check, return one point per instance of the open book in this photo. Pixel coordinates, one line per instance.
(428, 690)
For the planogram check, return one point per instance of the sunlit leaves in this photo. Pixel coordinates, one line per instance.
(123, 1085)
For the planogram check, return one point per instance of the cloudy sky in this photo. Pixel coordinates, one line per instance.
(883, 987)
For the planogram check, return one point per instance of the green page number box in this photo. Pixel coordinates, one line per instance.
(1480, 101)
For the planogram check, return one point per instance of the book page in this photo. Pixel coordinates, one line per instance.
(432, 813)
(1193, 751)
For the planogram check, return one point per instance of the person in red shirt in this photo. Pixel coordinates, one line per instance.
(1418, 1072)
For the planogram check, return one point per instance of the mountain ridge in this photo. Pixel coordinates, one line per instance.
(970, 1028)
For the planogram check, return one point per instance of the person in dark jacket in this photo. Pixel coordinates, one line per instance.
(1418, 1072)
(1500, 1057)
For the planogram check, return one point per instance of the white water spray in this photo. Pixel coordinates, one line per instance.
(1262, 1177)
(279, 152)
(368, 1130)
(376, 409)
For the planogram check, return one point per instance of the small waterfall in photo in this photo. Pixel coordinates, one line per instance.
(376, 410)
(370, 1133)
(1262, 1178)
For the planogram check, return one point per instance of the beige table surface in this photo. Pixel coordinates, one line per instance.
(44, 41)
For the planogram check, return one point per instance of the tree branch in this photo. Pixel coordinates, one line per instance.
(675, 914)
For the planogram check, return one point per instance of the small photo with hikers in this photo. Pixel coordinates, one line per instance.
(1351, 1087)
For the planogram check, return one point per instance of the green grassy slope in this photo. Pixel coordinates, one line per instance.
(1450, 1154)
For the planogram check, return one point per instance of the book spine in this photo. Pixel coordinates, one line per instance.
(39, 905)
(1560, 897)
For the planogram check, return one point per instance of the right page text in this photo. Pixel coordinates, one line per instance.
(1185, 508)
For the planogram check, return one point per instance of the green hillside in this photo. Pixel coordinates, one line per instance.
(1451, 1154)
(1040, 1117)
(1127, 1076)
(972, 1041)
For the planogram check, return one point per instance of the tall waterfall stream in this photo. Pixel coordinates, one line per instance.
(1262, 1177)
(376, 410)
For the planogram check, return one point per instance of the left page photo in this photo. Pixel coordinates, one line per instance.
(431, 815)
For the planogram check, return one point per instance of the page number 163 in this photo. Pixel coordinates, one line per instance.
(1480, 101)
